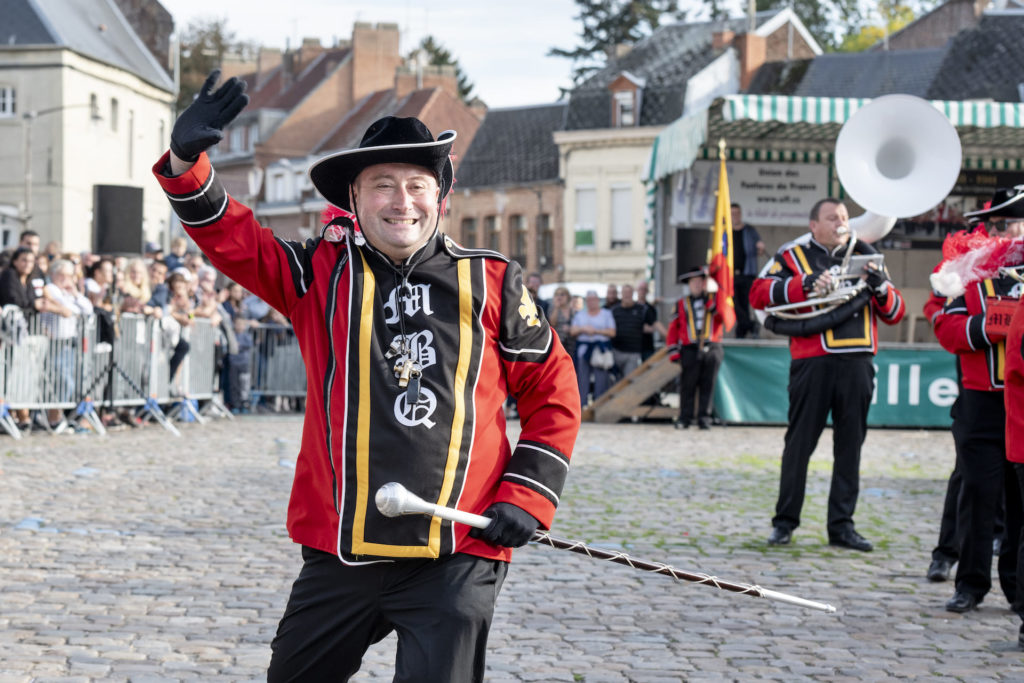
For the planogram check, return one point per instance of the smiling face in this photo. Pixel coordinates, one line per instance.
(397, 206)
(24, 263)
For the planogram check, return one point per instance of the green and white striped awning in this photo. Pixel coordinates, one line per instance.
(837, 110)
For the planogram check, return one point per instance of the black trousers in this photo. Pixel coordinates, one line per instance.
(441, 610)
(1015, 519)
(745, 323)
(980, 438)
(697, 376)
(948, 548)
(842, 385)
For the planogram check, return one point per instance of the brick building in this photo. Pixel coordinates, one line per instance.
(507, 194)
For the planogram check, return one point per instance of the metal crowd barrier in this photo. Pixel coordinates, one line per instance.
(277, 368)
(50, 362)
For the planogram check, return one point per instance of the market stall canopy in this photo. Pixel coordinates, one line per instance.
(786, 128)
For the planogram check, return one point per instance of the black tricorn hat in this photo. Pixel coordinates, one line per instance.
(693, 271)
(1007, 202)
(390, 140)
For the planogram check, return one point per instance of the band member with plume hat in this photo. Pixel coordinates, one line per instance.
(974, 324)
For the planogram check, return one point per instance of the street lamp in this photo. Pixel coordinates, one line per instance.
(29, 118)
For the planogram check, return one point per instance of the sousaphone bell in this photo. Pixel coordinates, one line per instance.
(897, 156)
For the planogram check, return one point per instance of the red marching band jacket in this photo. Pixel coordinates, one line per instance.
(682, 330)
(477, 336)
(781, 282)
(974, 327)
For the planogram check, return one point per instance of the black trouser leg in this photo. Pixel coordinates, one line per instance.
(948, 549)
(850, 402)
(741, 299)
(177, 356)
(978, 432)
(689, 374)
(710, 361)
(1018, 481)
(810, 389)
(441, 610)
(1012, 521)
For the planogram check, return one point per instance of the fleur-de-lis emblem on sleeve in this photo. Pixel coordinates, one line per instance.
(528, 310)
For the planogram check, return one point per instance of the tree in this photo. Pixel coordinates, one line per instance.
(438, 55)
(203, 46)
(823, 18)
(892, 16)
(608, 23)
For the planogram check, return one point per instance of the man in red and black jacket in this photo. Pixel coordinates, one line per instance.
(411, 345)
(974, 326)
(696, 335)
(832, 368)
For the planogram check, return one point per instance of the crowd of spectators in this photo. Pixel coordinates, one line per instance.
(173, 289)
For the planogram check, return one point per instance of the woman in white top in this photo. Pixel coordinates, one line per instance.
(593, 328)
(67, 306)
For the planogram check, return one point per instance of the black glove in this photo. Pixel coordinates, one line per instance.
(201, 126)
(512, 527)
(811, 280)
(876, 280)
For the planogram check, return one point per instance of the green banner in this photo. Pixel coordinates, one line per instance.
(915, 385)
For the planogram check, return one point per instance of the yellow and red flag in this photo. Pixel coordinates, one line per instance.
(721, 267)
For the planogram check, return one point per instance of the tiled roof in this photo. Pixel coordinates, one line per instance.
(778, 78)
(437, 109)
(271, 90)
(22, 25)
(666, 60)
(349, 130)
(984, 62)
(96, 29)
(871, 74)
(513, 146)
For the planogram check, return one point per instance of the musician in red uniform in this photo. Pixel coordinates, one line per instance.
(1013, 400)
(411, 345)
(832, 364)
(970, 326)
(696, 335)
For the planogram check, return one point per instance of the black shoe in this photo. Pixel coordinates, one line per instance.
(939, 570)
(679, 424)
(851, 539)
(961, 602)
(780, 536)
(704, 424)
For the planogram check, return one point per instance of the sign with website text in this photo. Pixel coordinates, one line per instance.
(914, 387)
(769, 193)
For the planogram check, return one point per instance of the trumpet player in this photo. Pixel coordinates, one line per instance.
(831, 370)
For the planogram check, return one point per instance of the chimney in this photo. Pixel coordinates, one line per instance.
(374, 57)
(722, 39)
(267, 59)
(752, 49)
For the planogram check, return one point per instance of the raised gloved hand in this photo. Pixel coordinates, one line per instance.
(512, 527)
(876, 280)
(201, 126)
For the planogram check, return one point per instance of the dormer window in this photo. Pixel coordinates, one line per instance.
(627, 92)
(625, 109)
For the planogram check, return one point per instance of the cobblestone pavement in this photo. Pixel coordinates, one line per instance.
(148, 558)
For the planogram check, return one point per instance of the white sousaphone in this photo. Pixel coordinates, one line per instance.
(897, 156)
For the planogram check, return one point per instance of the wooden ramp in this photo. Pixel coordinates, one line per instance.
(625, 399)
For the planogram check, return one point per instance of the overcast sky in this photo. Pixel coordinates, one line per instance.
(500, 45)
